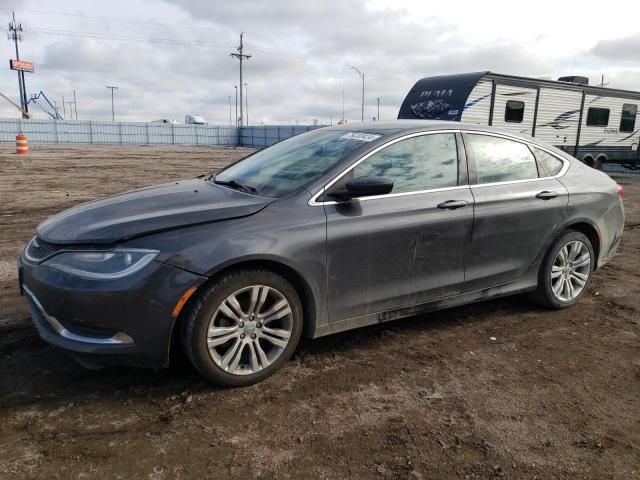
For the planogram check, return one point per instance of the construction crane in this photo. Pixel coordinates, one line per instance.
(52, 111)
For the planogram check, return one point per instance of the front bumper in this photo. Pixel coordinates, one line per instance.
(123, 322)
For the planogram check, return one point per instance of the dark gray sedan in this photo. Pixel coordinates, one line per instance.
(331, 230)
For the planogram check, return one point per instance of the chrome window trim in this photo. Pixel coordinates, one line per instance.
(313, 202)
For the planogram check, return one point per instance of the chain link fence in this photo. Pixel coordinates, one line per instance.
(140, 133)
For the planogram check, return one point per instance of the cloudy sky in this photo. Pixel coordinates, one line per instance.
(171, 57)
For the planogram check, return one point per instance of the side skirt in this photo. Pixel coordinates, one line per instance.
(525, 284)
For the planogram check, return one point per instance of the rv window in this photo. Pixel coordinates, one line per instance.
(628, 120)
(514, 111)
(553, 164)
(501, 160)
(598, 117)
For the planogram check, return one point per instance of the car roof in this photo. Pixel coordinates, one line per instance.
(402, 126)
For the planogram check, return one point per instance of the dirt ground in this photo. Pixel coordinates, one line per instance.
(502, 389)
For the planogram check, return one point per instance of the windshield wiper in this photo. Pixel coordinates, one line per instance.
(235, 185)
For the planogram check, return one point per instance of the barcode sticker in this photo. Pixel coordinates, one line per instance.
(363, 137)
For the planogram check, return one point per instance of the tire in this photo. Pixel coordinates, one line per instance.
(578, 276)
(248, 353)
(599, 163)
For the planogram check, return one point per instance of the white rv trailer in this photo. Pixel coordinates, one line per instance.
(596, 125)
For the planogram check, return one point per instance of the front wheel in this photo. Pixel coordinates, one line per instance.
(243, 328)
(566, 271)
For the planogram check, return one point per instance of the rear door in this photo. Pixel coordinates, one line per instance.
(407, 247)
(519, 207)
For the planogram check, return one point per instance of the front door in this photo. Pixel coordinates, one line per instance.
(407, 247)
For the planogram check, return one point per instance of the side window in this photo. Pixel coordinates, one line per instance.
(597, 117)
(628, 120)
(553, 164)
(501, 160)
(514, 111)
(418, 163)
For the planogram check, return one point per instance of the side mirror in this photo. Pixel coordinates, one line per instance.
(363, 187)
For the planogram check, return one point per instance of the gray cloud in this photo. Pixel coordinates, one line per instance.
(621, 49)
(302, 53)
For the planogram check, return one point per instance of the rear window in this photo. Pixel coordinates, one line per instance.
(598, 117)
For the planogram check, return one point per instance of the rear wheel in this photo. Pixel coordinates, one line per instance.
(566, 271)
(243, 328)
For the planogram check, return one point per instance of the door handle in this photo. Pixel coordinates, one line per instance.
(546, 195)
(452, 204)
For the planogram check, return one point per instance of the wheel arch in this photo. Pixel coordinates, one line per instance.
(291, 274)
(591, 232)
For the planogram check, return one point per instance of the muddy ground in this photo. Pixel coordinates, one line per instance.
(499, 389)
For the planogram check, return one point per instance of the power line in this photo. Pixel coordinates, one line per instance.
(125, 38)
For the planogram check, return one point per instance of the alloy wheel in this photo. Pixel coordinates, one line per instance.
(570, 271)
(250, 329)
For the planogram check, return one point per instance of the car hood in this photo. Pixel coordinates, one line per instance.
(147, 210)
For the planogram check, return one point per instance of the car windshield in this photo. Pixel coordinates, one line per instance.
(289, 165)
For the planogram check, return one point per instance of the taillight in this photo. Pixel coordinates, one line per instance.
(620, 190)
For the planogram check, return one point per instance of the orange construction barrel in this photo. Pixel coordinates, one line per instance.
(22, 148)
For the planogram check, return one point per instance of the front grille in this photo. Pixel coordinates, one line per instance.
(39, 249)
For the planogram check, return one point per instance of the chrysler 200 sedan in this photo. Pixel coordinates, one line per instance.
(331, 230)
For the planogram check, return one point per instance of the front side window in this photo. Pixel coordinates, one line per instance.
(553, 164)
(628, 120)
(501, 160)
(289, 165)
(514, 111)
(597, 117)
(419, 163)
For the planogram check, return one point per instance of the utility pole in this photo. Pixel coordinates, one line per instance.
(240, 56)
(230, 124)
(246, 100)
(64, 109)
(343, 104)
(15, 34)
(75, 104)
(362, 75)
(236, 87)
(71, 108)
(602, 84)
(113, 115)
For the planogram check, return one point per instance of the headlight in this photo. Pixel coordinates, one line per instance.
(102, 265)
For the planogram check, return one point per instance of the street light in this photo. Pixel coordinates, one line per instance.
(113, 115)
(246, 101)
(236, 87)
(230, 124)
(362, 75)
(378, 98)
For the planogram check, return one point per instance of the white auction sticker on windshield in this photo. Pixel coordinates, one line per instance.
(363, 137)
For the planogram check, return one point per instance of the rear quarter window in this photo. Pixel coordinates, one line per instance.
(553, 164)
